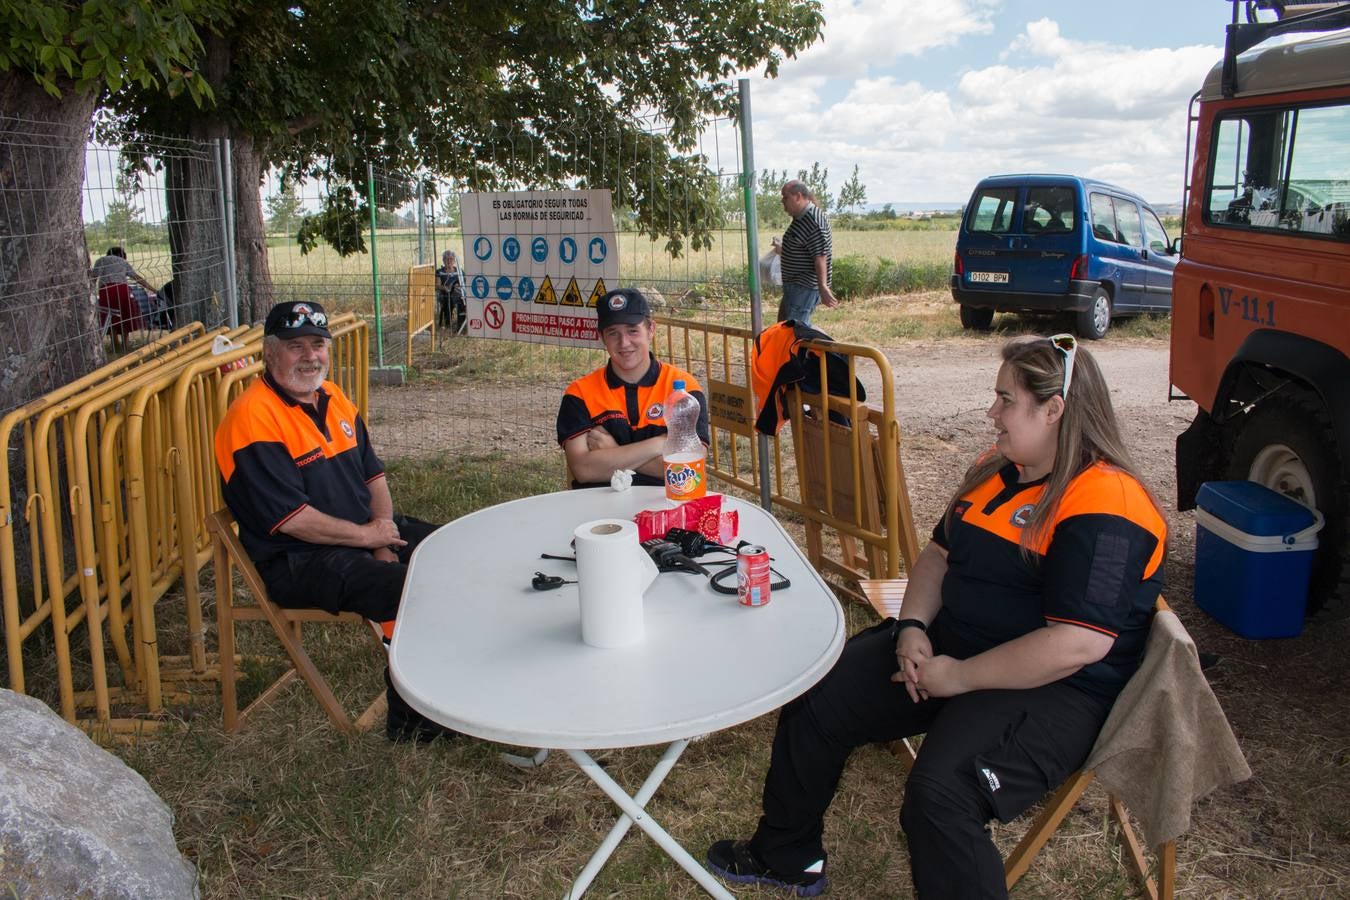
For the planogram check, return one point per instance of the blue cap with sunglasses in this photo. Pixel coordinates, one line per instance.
(295, 318)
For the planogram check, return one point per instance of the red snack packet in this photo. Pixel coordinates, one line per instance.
(703, 515)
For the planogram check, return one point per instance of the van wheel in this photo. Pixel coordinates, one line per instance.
(1289, 445)
(1093, 322)
(975, 319)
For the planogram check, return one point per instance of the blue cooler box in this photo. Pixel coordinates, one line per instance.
(1253, 557)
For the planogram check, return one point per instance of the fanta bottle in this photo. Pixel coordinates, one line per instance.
(684, 454)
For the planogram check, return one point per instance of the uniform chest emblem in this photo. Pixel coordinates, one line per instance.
(346, 428)
(1022, 515)
(655, 411)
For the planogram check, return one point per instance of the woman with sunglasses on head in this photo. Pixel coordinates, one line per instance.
(1023, 619)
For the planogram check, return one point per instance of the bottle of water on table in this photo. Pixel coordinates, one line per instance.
(684, 454)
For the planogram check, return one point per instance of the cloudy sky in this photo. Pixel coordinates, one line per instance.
(928, 96)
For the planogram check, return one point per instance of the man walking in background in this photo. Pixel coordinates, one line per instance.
(807, 249)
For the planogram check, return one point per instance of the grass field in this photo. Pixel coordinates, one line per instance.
(915, 260)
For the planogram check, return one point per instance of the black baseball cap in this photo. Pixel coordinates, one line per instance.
(621, 306)
(295, 318)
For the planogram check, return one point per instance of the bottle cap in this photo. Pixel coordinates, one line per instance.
(678, 384)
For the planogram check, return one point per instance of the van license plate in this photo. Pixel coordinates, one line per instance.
(989, 277)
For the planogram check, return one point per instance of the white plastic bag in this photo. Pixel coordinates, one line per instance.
(771, 269)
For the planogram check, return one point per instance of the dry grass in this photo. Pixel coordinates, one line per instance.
(291, 809)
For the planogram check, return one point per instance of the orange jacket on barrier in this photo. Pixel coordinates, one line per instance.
(778, 360)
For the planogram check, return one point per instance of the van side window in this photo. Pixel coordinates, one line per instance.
(1127, 222)
(1050, 210)
(992, 210)
(1282, 170)
(1154, 233)
(1103, 218)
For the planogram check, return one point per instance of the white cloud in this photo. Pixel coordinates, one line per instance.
(1065, 78)
(1048, 103)
(867, 34)
(880, 111)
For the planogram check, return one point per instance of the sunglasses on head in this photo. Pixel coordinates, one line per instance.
(296, 319)
(1068, 345)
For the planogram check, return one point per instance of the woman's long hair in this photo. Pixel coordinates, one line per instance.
(1088, 431)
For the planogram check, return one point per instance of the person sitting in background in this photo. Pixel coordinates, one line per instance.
(450, 293)
(1023, 619)
(313, 506)
(120, 310)
(613, 418)
(113, 268)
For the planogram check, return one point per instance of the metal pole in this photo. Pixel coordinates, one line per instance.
(752, 248)
(231, 276)
(375, 265)
(421, 226)
(232, 312)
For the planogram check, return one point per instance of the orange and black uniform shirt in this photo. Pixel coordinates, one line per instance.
(629, 412)
(277, 456)
(1099, 565)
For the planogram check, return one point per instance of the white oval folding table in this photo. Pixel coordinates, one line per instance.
(477, 649)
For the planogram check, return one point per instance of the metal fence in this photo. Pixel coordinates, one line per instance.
(478, 395)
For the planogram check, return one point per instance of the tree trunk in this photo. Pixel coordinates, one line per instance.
(48, 328)
(193, 198)
(253, 277)
(196, 236)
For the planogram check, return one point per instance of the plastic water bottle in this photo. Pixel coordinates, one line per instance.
(685, 454)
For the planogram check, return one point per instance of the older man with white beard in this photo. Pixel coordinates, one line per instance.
(309, 493)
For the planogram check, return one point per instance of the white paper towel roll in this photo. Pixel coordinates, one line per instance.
(613, 571)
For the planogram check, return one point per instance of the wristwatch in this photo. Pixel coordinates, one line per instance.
(902, 624)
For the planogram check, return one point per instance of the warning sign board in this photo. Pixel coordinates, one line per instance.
(524, 247)
(597, 292)
(572, 296)
(546, 293)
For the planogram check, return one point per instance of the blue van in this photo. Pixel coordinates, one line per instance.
(1060, 243)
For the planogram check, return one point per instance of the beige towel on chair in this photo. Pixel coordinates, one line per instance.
(1167, 742)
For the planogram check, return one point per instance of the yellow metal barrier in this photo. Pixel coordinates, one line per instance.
(849, 475)
(166, 472)
(131, 447)
(421, 304)
(19, 623)
(72, 431)
(847, 482)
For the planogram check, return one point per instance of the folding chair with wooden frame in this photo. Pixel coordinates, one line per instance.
(286, 625)
(885, 597)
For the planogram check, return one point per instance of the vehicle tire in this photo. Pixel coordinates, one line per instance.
(1093, 322)
(1289, 444)
(976, 319)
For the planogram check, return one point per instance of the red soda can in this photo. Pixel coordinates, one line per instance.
(752, 575)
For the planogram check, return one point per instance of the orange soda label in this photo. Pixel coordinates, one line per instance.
(686, 479)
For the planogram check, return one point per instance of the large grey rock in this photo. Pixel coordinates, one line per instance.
(76, 821)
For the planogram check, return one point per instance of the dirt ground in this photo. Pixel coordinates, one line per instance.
(1286, 832)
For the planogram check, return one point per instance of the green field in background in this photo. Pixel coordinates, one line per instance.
(641, 260)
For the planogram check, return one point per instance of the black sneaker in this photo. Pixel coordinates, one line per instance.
(735, 862)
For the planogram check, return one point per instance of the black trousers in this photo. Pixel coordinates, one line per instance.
(344, 579)
(985, 755)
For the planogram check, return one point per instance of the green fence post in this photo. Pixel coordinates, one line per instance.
(752, 271)
(375, 265)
